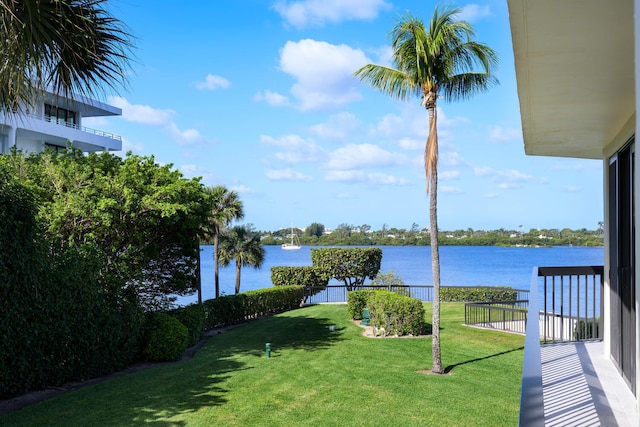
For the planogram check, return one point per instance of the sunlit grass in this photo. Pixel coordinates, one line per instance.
(313, 377)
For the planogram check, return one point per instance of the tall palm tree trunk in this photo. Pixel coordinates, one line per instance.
(216, 255)
(238, 269)
(431, 164)
(199, 275)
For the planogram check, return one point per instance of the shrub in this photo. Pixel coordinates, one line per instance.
(587, 329)
(397, 314)
(297, 276)
(193, 317)
(392, 282)
(231, 309)
(349, 265)
(166, 338)
(357, 301)
(478, 294)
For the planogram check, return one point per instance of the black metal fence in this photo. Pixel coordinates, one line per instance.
(503, 315)
(571, 303)
(338, 293)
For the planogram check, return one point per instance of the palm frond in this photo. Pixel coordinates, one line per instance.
(393, 82)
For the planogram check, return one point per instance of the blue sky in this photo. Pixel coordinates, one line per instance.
(259, 96)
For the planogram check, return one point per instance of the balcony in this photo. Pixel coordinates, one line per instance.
(33, 130)
(566, 378)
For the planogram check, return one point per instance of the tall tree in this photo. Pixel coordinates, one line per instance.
(66, 45)
(226, 206)
(441, 61)
(239, 244)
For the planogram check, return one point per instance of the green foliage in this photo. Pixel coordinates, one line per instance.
(241, 245)
(306, 276)
(587, 329)
(350, 265)
(58, 320)
(478, 294)
(397, 314)
(143, 217)
(231, 309)
(314, 229)
(357, 301)
(392, 282)
(166, 339)
(193, 317)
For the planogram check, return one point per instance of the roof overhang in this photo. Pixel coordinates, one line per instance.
(574, 62)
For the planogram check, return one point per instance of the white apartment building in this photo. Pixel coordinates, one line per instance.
(55, 120)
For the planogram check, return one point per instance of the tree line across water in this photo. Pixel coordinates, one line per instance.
(317, 234)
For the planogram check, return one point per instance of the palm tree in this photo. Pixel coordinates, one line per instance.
(67, 45)
(238, 244)
(226, 206)
(434, 62)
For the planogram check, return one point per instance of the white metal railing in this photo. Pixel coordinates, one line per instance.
(54, 120)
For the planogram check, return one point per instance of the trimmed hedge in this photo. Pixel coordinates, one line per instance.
(193, 317)
(397, 314)
(307, 276)
(478, 294)
(357, 301)
(166, 339)
(231, 309)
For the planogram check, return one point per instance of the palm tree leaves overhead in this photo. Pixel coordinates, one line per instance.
(65, 45)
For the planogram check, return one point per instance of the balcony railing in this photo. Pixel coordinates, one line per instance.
(67, 124)
(567, 303)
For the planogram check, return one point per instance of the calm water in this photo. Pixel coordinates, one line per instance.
(459, 265)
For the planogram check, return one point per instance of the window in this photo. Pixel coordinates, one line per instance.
(59, 115)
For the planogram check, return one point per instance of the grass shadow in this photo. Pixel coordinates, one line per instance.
(449, 368)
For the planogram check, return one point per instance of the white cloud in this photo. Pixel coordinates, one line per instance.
(450, 189)
(286, 175)
(449, 175)
(323, 73)
(128, 145)
(474, 12)
(296, 149)
(141, 113)
(337, 127)
(306, 13)
(273, 99)
(358, 156)
(359, 176)
(188, 136)
(506, 179)
(212, 82)
(242, 189)
(500, 134)
(573, 188)
(411, 143)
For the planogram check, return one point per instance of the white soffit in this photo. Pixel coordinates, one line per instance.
(575, 71)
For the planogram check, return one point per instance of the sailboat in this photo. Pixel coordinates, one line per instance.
(291, 246)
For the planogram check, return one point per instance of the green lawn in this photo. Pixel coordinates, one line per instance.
(314, 377)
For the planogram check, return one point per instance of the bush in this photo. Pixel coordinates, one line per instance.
(357, 301)
(587, 329)
(392, 282)
(166, 338)
(231, 309)
(193, 317)
(478, 294)
(297, 276)
(397, 314)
